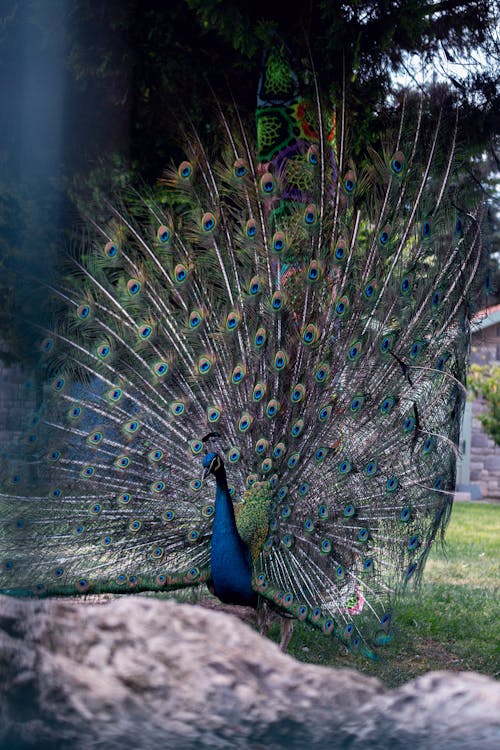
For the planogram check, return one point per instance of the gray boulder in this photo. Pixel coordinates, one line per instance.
(143, 673)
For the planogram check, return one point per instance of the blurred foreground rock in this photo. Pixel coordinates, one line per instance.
(142, 673)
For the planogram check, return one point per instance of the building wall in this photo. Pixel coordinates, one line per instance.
(484, 458)
(485, 349)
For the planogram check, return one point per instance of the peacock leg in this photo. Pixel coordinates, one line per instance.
(286, 633)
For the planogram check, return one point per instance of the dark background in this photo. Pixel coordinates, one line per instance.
(92, 94)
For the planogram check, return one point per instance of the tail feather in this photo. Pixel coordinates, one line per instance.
(312, 313)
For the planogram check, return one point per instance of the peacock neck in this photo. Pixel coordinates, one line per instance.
(230, 559)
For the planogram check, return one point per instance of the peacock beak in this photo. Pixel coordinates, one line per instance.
(205, 473)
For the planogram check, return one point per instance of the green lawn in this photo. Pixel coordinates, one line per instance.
(453, 623)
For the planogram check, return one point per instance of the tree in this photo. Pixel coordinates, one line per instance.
(484, 381)
(133, 71)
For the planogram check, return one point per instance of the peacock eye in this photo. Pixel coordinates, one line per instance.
(312, 155)
(133, 287)
(251, 228)
(185, 170)
(58, 384)
(349, 182)
(267, 183)
(438, 484)
(110, 250)
(392, 484)
(164, 234)
(310, 215)
(240, 168)
(208, 222)
(83, 312)
(409, 424)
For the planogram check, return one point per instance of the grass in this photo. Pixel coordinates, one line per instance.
(452, 623)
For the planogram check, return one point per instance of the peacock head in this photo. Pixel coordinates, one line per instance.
(212, 464)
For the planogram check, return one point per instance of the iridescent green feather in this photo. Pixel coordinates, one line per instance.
(254, 515)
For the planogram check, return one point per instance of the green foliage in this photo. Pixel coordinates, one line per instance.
(138, 69)
(363, 42)
(484, 381)
(136, 72)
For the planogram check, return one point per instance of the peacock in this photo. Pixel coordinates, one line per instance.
(256, 374)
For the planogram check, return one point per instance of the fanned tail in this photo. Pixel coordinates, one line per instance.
(312, 313)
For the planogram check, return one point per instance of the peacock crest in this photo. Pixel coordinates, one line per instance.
(311, 318)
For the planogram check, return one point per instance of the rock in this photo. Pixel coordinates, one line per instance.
(143, 673)
(479, 439)
(492, 463)
(438, 711)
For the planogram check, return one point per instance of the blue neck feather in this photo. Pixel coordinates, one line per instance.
(230, 559)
